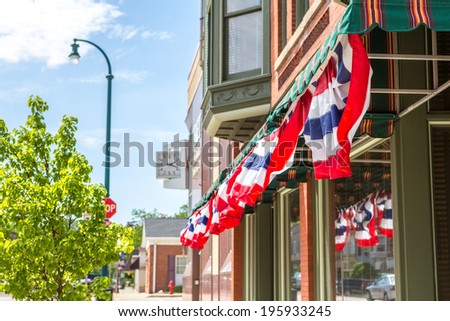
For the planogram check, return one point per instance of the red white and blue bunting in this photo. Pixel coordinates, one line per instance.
(327, 113)
(369, 218)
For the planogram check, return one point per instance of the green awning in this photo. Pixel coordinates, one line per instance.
(362, 16)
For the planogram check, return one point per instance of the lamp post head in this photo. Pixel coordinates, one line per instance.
(74, 55)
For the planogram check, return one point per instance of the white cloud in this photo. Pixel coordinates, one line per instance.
(133, 76)
(86, 80)
(44, 29)
(159, 35)
(129, 32)
(124, 32)
(95, 138)
(17, 91)
(158, 135)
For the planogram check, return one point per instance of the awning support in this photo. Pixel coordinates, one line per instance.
(401, 91)
(408, 57)
(425, 99)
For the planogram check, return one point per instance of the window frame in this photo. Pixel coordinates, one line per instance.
(215, 71)
(225, 21)
(177, 265)
(301, 8)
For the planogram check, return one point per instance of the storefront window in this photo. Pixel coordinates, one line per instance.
(294, 224)
(286, 236)
(364, 229)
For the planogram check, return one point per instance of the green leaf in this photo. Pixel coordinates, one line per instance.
(45, 188)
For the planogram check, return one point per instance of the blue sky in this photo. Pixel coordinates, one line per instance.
(151, 46)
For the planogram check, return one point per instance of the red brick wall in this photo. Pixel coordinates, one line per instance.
(290, 18)
(301, 52)
(162, 259)
(276, 43)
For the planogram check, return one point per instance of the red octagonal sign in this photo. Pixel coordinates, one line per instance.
(111, 207)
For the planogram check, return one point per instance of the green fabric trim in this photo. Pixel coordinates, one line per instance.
(395, 16)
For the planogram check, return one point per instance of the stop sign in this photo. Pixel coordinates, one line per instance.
(111, 207)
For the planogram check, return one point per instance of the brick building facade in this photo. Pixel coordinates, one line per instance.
(398, 157)
(165, 256)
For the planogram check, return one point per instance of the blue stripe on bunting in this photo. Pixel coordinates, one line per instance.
(256, 162)
(387, 214)
(341, 230)
(317, 128)
(204, 220)
(343, 75)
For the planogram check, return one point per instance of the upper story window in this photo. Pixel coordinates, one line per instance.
(301, 8)
(243, 28)
(290, 17)
(236, 40)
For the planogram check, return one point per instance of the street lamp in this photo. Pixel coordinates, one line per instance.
(75, 57)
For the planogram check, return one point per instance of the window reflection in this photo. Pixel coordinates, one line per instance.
(294, 225)
(364, 228)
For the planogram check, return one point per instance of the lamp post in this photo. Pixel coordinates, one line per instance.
(75, 57)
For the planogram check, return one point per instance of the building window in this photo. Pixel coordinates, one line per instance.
(301, 7)
(364, 229)
(236, 40)
(293, 207)
(243, 22)
(440, 155)
(286, 238)
(180, 262)
(239, 5)
(291, 16)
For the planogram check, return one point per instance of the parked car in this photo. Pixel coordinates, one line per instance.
(382, 289)
(352, 286)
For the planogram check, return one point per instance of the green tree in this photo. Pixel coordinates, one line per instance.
(139, 215)
(137, 237)
(45, 190)
(183, 212)
(364, 270)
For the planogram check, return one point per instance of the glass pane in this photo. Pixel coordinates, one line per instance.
(302, 7)
(181, 262)
(440, 154)
(364, 229)
(294, 225)
(236, 5)
(245, 43)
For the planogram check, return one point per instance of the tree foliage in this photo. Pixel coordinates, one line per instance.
(364, 270)
(182, 212)
(139, 215)
(45, 190)
(137, 237)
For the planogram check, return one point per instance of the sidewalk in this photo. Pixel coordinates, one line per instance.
(129, 294)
